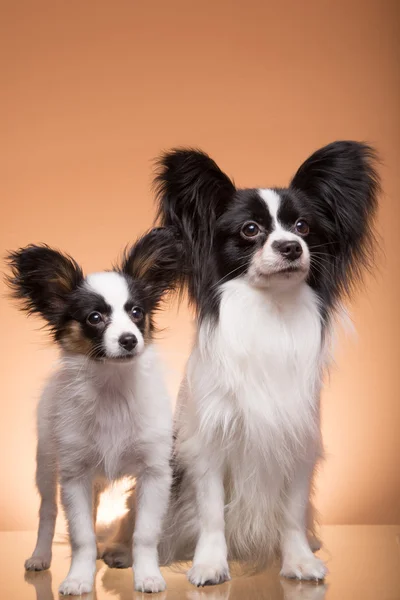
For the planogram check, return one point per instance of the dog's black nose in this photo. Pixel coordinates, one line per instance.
(128, 341)
(291, 250)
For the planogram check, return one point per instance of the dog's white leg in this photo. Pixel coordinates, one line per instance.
(46, 482)
(210, 564)
(298, 560)
(76, 495)
(153, 487)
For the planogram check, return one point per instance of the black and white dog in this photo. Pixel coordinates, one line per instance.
(105, 412)
(266, 270)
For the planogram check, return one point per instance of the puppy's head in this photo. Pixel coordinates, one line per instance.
(106, 315)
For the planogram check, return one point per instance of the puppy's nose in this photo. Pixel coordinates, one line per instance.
(291, 250)
(128, 341)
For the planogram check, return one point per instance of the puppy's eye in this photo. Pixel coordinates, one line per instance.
(94, 318)
(250, 230)
(137, 313)
(302, 227)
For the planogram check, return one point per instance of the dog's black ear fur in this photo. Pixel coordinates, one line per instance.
(42, 279)
(342, 184)
(192, 193)
(156, 259)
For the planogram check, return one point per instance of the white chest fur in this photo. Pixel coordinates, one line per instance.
(260, 366)
(250, 405)
(108, 416)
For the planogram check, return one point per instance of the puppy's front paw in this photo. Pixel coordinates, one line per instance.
(203, 574)
(75, 587)
(38, 563)
(151, 584)
(307, 567)
(117, 556)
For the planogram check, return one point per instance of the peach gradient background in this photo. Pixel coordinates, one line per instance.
(93, 90)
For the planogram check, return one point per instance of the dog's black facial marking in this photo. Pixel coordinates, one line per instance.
(295, 205)
(234, 251)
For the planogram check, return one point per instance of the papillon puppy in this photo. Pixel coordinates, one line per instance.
(266, 269)
(104, 413)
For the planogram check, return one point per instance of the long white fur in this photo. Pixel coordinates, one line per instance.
(248, 424)
(99, 422)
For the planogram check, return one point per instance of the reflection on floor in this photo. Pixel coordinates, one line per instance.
(364, 564)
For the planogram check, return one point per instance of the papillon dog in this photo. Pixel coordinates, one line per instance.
(105, 412)
(266, 270)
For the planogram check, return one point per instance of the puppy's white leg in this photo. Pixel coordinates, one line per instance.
(46, 482)
(210, 564)
(153, 487)
(76, 495)
(118, 553)
(298, 560)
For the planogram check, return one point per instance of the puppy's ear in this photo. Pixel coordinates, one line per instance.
(42, 279)
(192, 193)
(342, 185)
(155, 260)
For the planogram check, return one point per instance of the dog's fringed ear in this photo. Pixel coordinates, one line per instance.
(155, 260)
(342, 184)
(190, 184)
(192, 193)
(42, 279)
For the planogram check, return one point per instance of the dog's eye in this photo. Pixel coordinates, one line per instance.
(94, 318)
(137, 313)
(302, 227)
(250, 230)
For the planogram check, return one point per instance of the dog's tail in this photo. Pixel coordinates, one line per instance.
(192, 193)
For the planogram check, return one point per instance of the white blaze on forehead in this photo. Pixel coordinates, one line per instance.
(114, 289)
(273, 201)
(269, 260)
(112, 286)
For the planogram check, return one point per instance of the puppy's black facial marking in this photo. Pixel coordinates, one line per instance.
(139, 298)
(74, 332)
(78, 334)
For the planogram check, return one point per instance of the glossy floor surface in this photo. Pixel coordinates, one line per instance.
(364, 564)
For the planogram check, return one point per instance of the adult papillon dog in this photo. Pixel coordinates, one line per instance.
(105, 412)
(266, 270)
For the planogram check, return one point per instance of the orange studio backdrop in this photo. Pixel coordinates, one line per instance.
(92, 91)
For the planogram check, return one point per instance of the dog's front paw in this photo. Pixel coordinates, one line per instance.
(117, 556)
(203, 574)
(38, 563)
(307, 567)
(151, 584)
(75, 587)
